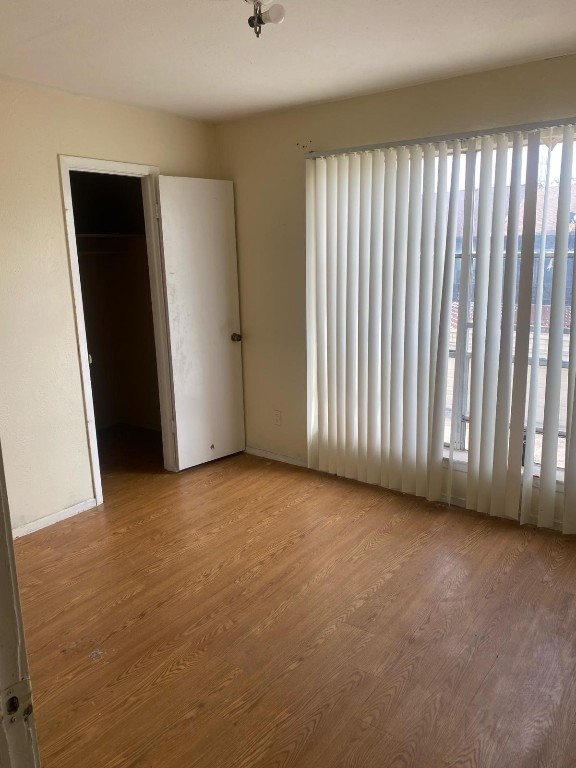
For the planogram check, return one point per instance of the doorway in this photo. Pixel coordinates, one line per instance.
(115, 283)
(189, 231)
(145, 178)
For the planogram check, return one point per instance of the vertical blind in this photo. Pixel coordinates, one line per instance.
(440, 292)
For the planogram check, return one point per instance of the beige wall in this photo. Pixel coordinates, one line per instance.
(42, 424)
(265, 157)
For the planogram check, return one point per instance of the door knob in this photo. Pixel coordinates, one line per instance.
(236, 337)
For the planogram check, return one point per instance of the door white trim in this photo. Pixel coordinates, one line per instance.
(149, 176)
(18, 745)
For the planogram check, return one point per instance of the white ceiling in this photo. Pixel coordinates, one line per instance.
(199, 57)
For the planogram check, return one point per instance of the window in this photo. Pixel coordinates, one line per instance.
(550, 156)
(440, 292)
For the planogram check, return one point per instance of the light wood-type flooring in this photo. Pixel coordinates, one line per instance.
(249, 614)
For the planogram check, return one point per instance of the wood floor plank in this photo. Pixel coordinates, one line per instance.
(248, 614)
(354, 744)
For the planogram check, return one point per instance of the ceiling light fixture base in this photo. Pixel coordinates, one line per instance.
(270, 15)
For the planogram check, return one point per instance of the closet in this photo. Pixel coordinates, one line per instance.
(114, 276)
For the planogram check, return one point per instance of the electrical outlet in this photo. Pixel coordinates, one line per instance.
(277, 418)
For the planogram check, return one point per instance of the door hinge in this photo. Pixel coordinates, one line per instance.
(16, 703)
(157, 210)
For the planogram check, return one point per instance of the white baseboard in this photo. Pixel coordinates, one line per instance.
(275, 456)
(44, 522)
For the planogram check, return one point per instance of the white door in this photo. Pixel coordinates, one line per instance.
(18, 747)
(199, 245)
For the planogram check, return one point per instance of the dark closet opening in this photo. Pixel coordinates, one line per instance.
(115, 282)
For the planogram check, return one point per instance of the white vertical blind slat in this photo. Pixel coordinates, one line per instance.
(492, 337)
(409, 429)
(312, 414)
(504, 390)
(571, 367)
(435, 459)
(389, 237)
(513, 488)
(331, 304)
(569, 515)
(341, 288)
(399, 318)
(440, 233)
(321, 315)
(364, 310)
(482, 272)
(547, 494)
(352, 318)
(424, 318)
(459, 390)
(375, 320)
(534, 365)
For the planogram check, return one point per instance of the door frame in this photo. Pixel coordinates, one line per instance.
(149, 177)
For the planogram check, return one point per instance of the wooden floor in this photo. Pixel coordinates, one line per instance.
(252, 614)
